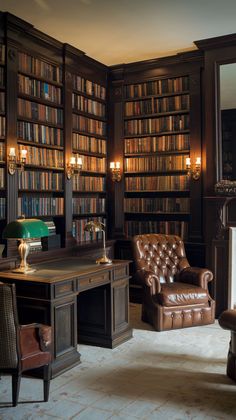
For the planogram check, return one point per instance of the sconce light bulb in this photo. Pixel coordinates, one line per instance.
(198, 161)
(188, 161)
(23, 153)
(72, 160)
(79, 161)
(12, 152)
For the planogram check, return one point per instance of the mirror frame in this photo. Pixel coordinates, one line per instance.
(219, 174)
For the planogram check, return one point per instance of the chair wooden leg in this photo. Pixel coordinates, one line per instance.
(16, 379)
(46, 381)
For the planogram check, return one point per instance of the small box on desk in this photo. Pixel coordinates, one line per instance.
(51, 242)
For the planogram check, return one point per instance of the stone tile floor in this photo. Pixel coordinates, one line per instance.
(172, 375)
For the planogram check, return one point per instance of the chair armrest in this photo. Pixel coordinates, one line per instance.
(227, 320)
(148, 278)
(34, 337)
(196, 275)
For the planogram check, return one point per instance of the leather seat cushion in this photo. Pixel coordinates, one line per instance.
(178, 294)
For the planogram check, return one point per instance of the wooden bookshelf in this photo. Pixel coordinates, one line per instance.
(40, 132)
(89, 142)
(156, 144)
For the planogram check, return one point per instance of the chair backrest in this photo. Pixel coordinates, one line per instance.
(161, 254)
(8, 327)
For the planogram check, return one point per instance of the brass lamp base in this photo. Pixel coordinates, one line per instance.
(104, 260)
(24, 270)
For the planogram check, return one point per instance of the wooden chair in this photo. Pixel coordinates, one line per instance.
(22, 347)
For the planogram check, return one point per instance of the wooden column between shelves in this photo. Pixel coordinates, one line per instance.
(11, 128)
(69, 240)
(115, 153)
(195, 228)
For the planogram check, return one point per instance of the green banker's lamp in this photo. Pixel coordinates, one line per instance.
(96, 226)
(22, 230)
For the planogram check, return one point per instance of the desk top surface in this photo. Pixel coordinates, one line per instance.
(62, 269)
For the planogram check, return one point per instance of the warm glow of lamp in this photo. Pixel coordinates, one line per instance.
(13, 162)
(74, 166)
(115, 170)
(22, 230)
(12, 152)
(96, 226)
(194, 171)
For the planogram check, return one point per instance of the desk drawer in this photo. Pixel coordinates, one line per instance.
(63, 289)
(95, 280)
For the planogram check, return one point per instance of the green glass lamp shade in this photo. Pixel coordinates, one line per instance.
(25, 229)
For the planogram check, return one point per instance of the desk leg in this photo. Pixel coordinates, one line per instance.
(64, 319)
(61, 314)
(103, 315)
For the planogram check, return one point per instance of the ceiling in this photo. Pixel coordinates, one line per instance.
(123, 31)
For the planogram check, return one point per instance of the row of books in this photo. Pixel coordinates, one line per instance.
(157, 205)
(88, 144)
(88, 183)
(2, 151)
(2, 178)
(2, 53)
(157, 105)
(82, 205)
(32, 180)
(88, 125)
(33, 65)
(157, 183)
(2, 77)
(2, 126)
(92, 163)
(87, 86)
(51, 227)
(2, 101)
(40, 206)
(43, 157)
(35, 245)
(166, 143)
(81, 235)
(157, 87)
(156, 163)
(157, 125)
(2, 207)
(174, 227)
(39, 112)
(43, 90)
(40, 133)
(80, 103)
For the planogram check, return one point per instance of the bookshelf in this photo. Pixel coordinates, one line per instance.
(156, 144)
(40, 132)
(89, 142)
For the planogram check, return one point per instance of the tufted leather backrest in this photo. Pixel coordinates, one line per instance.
(8, 326)
(161, 254)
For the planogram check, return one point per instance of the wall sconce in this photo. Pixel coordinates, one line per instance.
(74, 166)
(14, 163)
(194, 171)
(115, 170)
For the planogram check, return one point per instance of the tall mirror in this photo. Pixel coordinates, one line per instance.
(227, 123)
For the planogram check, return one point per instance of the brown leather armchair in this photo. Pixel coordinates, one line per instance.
(22, 347)
(227, 320)
(175, 295)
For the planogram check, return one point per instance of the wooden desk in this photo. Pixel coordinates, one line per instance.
(54, 295)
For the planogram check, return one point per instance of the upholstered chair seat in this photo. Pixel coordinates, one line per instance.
(175, 295)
